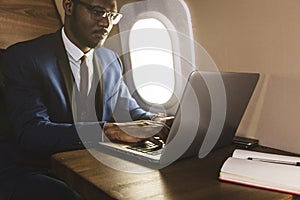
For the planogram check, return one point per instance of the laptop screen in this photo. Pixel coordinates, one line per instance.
(221, 99)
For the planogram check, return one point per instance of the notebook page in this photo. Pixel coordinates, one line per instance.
(276, 176)
(245, 154)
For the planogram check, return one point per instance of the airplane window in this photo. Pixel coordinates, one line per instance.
(152, 60)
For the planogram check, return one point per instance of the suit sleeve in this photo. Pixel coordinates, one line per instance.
(127, 109)
(33, 128)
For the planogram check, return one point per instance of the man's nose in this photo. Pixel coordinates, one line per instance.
(104, 22)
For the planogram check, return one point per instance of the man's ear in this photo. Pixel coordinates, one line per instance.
(68, 6)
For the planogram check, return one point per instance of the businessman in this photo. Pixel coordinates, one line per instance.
(59, 85)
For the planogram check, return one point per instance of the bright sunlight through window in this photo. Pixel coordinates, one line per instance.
(152, 60)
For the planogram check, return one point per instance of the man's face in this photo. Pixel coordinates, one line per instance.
(87, 28)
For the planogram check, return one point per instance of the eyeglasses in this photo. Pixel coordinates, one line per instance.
(99, 13)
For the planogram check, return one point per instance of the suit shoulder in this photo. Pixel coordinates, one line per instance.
(107, 55)
(108, 58)
(35, 45)
(105, 51)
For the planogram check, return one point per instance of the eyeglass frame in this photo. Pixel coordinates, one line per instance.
(113, 17)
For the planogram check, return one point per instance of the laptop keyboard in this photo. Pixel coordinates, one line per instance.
(147, 147)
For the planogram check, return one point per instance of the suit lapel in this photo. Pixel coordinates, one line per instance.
(68, 77)
(65, 69)
(99, 97)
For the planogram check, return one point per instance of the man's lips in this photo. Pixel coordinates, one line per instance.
(101, 33)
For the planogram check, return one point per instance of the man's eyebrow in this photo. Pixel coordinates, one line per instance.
(112, 8)
(102, 8)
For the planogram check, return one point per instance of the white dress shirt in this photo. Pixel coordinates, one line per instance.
(74, 55)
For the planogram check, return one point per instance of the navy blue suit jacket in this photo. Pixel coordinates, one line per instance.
(38, 87)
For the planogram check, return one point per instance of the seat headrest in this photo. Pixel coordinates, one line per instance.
(1, 53)
(1, 81)
(5, 127)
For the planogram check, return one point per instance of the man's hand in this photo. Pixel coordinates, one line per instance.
(140, 130)
(124, 132)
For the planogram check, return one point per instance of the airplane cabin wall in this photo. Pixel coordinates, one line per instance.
(258, 36)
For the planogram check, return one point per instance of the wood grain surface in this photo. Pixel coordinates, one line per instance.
(26, 19)
(191, 178)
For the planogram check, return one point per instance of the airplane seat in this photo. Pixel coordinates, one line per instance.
(4, 121)
(1, 79)
(8, 152)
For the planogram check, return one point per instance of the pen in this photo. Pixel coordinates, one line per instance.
(275, 161)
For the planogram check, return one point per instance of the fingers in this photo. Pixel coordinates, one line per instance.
(126, 138)
(155, 141)
(121, 136)
(114, 132)
(137, 131)
(163, 134)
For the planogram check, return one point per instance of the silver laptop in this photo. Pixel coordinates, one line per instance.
(204, 95)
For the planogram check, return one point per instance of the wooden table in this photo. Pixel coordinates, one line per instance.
(191, 178)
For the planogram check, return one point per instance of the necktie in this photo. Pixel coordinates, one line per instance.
(84, 76)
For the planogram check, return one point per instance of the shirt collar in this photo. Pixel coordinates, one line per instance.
(73, 50)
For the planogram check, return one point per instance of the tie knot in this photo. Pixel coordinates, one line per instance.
(83, 58)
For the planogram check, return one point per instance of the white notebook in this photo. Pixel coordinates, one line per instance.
(263, 170)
